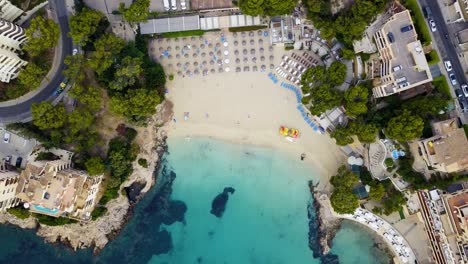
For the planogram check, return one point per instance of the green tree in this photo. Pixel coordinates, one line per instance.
(344, 178)
(365, 132)
(344, 201)
(75, 67)
(127, 74)
(405, 127)
(355, 100)
(377, 192)
(336, 73)
(87, 95)
(138, 11)
(342, 136)
(324, 97)
(31, 76)
(106, 49)
(279, 7)
(315, 75)
(46, 116)
(84, 24)
(42, 34)
(427, 106)
(95, 166)
(252, 7)
(79, 120)
(136, 103)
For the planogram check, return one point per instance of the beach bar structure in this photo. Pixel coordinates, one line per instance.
(170, 24)
(208, 23)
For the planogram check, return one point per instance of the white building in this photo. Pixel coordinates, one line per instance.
(8, 11)
(11, 36)
(10, 65)
(8, 183)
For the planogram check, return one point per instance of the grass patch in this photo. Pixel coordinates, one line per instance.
(179, 34)
(402, 215)
(98, 212)
(432, 57)
(19, 212)
(419, 21)
(465, 127)
(248, 28)
(53, 221)
(441, 85)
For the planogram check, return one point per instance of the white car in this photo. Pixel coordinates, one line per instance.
(6, 137)
(75, 51)
(183, 6)
(453, 79)
(433, 25)
(397, 68)
(465, 89)
(448, 65)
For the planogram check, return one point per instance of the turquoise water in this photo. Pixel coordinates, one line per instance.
(264, 220)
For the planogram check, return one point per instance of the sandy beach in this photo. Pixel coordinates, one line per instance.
(247, 108)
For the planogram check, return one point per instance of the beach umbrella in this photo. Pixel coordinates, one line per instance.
(195, 64)
(203, 54)
(205, 72)
(161, 49)
(243, 34)
(226, 52)
(170, 65)
(252, 51)
(160, 40)
(170, 56)
(234, 34)
(212, 70)
(254, 59)
(196, 72)
(252, 42)
(272, 66)
(270, 48)
(218, 45)
(246, 68)
(192, 38)
(244, 51)
(272, 57)
(262, 58)
(169, 49)
(210, 45)
(238, 69)
(225, 44)
(236, 52)
(187, 64)
(227, 69)
(236, 43)
(251, 34)
(246, 59)
(186, 55)
(244, 43)
(188, 72)
(259, 33)
(200, 38)
(237, 60)
(211, 54)
(218, 53)
(176, 39)
(202, 46)
(220, 70)
(212, 62)
(263, 67)
(204, 63)
(195, 55)
(226, 61)
(262, 50)
(161, 57)
(179, 65)
(254, 68)
(260, 41)
(179, 73)
(177, 48)
(220, 62)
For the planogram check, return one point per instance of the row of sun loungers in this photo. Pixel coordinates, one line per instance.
(294, 89)
(308, 120)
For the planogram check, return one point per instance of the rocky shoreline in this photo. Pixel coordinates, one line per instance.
(96, 234)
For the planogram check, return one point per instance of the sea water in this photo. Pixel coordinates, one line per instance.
(265, 219)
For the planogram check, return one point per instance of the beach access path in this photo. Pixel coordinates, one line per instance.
(248, 108)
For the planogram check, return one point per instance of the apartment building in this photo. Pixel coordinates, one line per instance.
(8, 11)
(55, 189)
(461, 8)
(403, 64)
(10, 65)
(8, 183)
(447, 150)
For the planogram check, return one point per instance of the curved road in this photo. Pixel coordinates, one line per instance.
(21, 112)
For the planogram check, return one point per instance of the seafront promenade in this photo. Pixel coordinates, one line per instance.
(396, 243)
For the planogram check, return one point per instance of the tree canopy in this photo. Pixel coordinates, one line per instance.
(405, 127)
(355, 100)
(106, 50)
(343, 200)
(267, 7)
(31, 76)
(46, 116)
(138, 11)
(95, 166)
(377, 192)
(136, 103)
(84, 24)
(127, 73)
(42, 34)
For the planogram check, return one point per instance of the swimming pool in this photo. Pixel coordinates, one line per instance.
(45, 210)
(397, 153)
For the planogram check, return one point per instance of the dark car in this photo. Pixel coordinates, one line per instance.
(458, 93)
(406, 28)
(19, 160)
(391, 38)
(463, 106)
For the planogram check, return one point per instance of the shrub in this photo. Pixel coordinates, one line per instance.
(179, 34)
(98, 212)
(389, 162)
(432, 57)
(19, 212)
(247, 28)
(53, 221)
(441, 85)
(171, 77)
(143, 163)
(46, 156)
(130, 134)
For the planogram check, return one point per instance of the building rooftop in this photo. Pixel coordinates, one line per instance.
(463, 36)
(459, 209)
(445, 126)
(170, 24)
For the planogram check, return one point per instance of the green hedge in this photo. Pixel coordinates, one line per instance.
(179, 34)
(98, 212)
(53, 221)
(247, 28)
(432, 57)
(441, 85)
(419, 21)
(19, 212)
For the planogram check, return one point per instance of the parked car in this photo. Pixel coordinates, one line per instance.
(400, 80)
(465, 89)
(75, 51)
(427, 12)
(446, 35)
(448, 65)
(404, 84)
(183, 6)
(406, 28)
(397, 68)
(8, 159)
(174, 5)
(6, 137)
(463, 106)
(390, 37)
(19, 160)
(453, 79)
(458, 93)
(433, 25)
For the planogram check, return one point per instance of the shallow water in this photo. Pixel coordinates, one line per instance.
(264, 219)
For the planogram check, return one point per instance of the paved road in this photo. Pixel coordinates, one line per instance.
(22, 112)
(445, 45)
